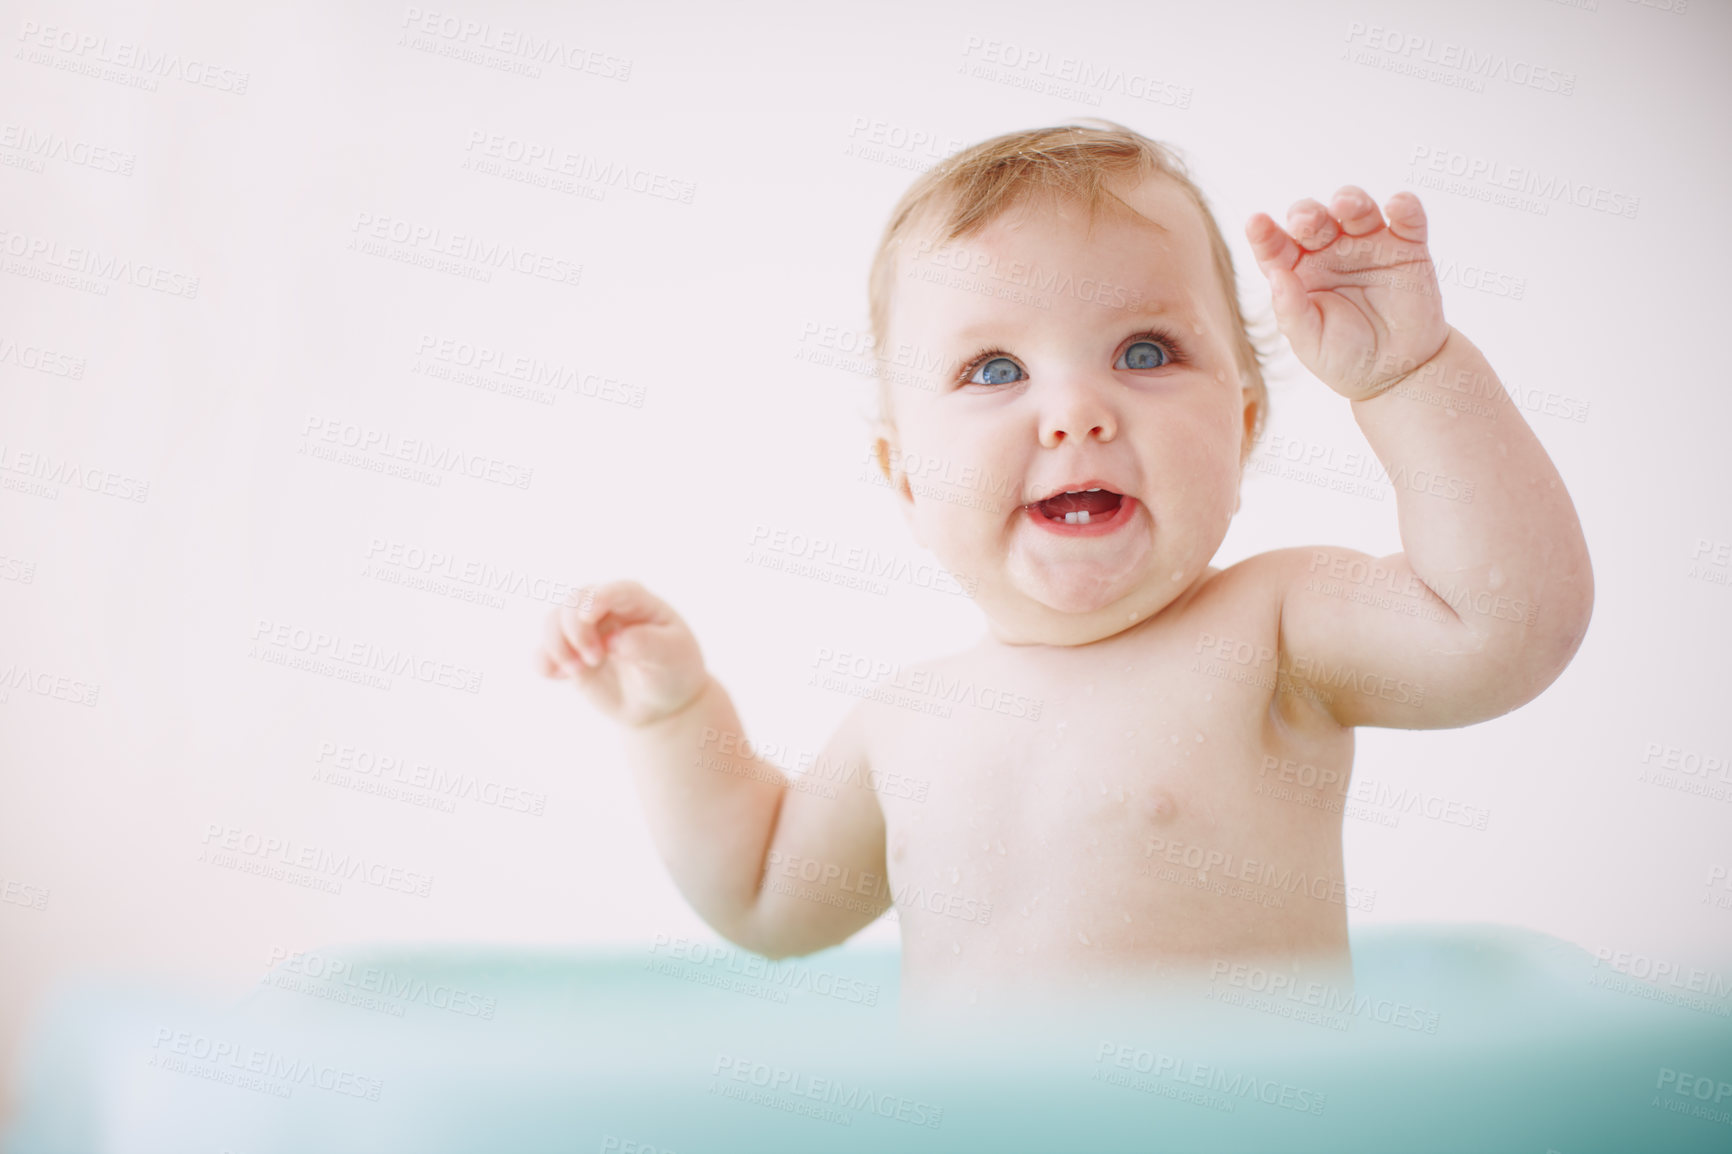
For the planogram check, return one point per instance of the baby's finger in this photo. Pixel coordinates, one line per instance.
(1356, 211)
(581, 635)
(1406, 217)
(1300, 320)
(620, 603)
(1270, 244)
(558, 656)
(547, 666)
(627, 600)
(1311, 225)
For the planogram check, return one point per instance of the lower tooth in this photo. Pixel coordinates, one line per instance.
(1077, 517)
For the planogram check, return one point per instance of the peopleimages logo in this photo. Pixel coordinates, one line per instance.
(90, 51)
(930, 690)
(372, 232)
(1471, 63)
(105, 268)
(341, 973)
(323, 437)
(231, 1060)
(281, 637)
(830, 1091)
(941, 256)
(857, 559)
(1222, 1087)
(1520, 181)
(321, 863)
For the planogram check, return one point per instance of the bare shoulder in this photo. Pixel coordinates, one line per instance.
(1246, 593)
(1378, 646)
(1234, 615)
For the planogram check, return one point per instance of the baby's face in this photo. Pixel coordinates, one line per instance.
(1118, 376)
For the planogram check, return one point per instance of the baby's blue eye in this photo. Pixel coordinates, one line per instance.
(1143, 355)
(997, 371)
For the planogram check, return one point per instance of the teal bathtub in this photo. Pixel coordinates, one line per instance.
(1453, 1038)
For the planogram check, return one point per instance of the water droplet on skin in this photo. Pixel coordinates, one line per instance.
(1083, 938)
(1495, 578)
(956, 947)
(1200, 736)
(986, 845)
(1103, 789)
(955, 875)
(1000, 849)
(1208, 697)
(1127, 917)
(1174, 739)
(1019, 949)
(1178, 574)
(1025, 911)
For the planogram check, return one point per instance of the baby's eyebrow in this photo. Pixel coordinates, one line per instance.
(1157, 310)
(1149, 309)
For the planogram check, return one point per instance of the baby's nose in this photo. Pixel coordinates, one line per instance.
(1076, 411)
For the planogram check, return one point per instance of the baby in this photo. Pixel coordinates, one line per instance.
(1147, 771)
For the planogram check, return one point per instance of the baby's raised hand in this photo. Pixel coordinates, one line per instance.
(1355, 296)
(627, 650)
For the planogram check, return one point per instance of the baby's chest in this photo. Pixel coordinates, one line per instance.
(1100, 776)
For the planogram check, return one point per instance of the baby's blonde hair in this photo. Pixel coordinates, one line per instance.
(970, 190)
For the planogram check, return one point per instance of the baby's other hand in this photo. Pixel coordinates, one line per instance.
(628, 651)
(1356, 297)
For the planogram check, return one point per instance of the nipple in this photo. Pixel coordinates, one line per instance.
(1159, 807)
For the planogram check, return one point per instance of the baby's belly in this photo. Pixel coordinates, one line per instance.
(1096, 881)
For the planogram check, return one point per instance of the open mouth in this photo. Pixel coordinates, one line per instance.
(1090, 512)
(1080, 508)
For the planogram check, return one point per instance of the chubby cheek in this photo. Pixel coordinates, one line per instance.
(1193, 488)
(964, 493)
(963, 525)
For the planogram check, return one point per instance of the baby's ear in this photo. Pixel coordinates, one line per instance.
(881, 451)
(884, 451)
(1252, 413)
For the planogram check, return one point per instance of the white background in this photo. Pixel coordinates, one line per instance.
(703, 310)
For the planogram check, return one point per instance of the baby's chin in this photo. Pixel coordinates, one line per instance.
(1090, 583)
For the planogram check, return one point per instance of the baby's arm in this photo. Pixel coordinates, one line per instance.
(721, 820)
(1492, 595)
